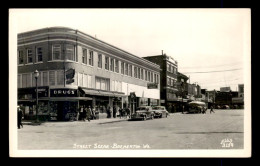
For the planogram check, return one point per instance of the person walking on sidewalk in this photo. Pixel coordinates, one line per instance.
(114, 111)
(84, 114)
(211, 109)
(20, 116)
(89, 113)
(127, 112)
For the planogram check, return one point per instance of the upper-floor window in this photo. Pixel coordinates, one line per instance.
(84, 56)
(107, 63)
(100, 60)
(70, 52)
(56, 52)
(122, 67)
(112, 64)
(157, 78)
(130, 70)
(135, 72)
(139, 73)
(168, 67)
(39, 54)
(102, 83)
(90, 59)
(116, 66)
(126, 69)
(20, 57)
(29, 56)
(142, 74)
(151, 77)
(145, 75)
(168, 81)
(155, 81)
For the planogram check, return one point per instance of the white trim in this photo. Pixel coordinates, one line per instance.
(20, 65)
(38, 62)
(28, 64)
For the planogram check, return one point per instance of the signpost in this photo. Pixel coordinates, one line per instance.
(70, 73)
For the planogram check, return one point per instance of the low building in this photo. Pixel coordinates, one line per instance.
(76, 69)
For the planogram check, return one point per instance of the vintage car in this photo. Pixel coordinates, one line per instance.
(143, 113)
(197, 107)
(225, 107)
(160, 111)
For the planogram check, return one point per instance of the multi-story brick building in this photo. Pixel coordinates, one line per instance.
(168, 81)
(104, 74)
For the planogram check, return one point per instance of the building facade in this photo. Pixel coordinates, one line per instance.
(103, 75)
(168, 81)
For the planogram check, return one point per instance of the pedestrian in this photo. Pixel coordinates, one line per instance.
(124, 112)
(120, 112)
(88, 113)
(93, 113)
(183, 109)
(211, 109)
(114, 111)
(127, 112)
(19, 116)
(84, 114)
(108, 112)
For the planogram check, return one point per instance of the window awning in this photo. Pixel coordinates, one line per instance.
(102, 93)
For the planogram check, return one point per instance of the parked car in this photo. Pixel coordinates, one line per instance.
(160, 111)
(225, 107)
(197, 107)
(143, 113)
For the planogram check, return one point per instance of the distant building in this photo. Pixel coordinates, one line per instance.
(239, 100)
(168, 80)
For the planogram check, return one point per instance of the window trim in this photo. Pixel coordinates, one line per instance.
(100, 62)
(53, 45)
(91, 57)
(31, 56)
(36, 58)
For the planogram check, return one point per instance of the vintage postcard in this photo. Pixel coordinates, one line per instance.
(130, 82)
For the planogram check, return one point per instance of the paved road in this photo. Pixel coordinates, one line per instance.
(178, 131)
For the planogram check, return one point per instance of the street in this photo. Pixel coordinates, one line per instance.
(178, 131)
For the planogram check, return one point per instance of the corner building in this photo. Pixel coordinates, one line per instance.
(104, 74)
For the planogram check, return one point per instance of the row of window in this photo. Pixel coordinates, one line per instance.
(111, 64)
(53, 78)
(171, 68)
(47, 78)
(171, 82)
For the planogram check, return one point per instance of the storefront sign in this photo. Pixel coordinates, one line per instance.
(70, 73)
(63, 92)
(152, 85)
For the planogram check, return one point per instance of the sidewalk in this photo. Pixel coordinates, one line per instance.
(95, 121)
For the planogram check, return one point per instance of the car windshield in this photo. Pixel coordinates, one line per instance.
(158, 108)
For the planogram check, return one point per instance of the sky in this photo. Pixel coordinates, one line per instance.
(211, 46)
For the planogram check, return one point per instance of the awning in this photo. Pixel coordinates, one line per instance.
(102, 93)
(66, 98)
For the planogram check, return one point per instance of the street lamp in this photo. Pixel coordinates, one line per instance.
(182, 90)
(36, 75)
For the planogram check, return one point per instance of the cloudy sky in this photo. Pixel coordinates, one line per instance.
(212, 46)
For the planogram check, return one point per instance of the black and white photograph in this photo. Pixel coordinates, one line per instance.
(130, 82)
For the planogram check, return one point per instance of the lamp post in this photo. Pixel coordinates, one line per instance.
(182, 90)
(36, 75)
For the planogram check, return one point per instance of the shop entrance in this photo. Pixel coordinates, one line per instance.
(66, 110)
